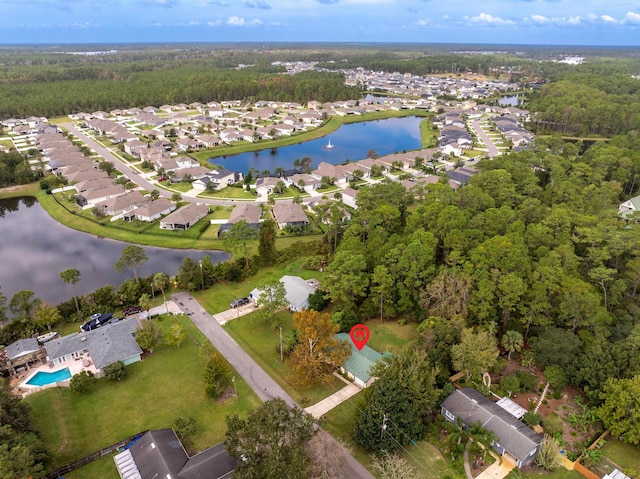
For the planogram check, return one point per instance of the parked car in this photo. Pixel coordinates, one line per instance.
(236, 303)
(132, 310)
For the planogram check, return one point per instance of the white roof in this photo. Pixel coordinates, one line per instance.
(512, 408)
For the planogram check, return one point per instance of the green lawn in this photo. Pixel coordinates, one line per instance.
(159, 389)
(261, 342)
(232, 193)
(390, 336)
(423, 456)
(103, 468)
(560, 473)
(624, 455)
(182, 187)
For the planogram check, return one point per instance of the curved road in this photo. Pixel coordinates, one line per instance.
(262, 384)
(493, 149)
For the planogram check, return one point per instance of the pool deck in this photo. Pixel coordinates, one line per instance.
(74, 366)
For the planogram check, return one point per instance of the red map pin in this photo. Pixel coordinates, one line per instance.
(359, 335)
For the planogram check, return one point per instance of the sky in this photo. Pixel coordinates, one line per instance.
(548, 22)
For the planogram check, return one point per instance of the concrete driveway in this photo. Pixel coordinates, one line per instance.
(497, 470)
(319, 409)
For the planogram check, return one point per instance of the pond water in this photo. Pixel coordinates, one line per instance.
(34, 249)
(506, 101)
(349, 142)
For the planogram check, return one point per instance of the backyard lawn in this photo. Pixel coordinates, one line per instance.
(624, 457)
(390, 336)
(165, 385)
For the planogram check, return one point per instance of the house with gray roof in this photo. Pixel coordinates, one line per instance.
(629, 207)
(22, 354)
(160, 454)
(358, 367)
(185, 217)
(297, 292)
(248, 212)
(516, 442)
(105, 345)
(150, 211)
(288, 213)
(218, 179)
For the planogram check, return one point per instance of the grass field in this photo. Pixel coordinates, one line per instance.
(164, 386)
(390, 336)
(560, 473)
(624, 455)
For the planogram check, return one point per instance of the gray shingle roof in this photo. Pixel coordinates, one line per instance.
(108, 344)
(22, 347)
(472, 407)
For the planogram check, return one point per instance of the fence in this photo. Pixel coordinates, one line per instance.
(92, 457)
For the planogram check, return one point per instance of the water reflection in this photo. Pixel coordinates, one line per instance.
(34, 249)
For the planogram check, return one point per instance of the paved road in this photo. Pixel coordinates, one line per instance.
(265, 387)
(132, 174)
(493, 149)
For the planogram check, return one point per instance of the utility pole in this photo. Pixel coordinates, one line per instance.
(235, 391)
(384, 425)
(281, 358)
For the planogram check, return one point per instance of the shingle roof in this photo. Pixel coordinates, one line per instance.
(246, 211)
(360, 362)
(187, 214)
(22, 347)
(108, 344)
(471, 407)
(289, 212)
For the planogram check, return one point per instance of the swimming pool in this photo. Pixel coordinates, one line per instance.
(42, 378)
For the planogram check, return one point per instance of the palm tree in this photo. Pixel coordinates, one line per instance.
(483, 437)
(72, 276)
(161, 282)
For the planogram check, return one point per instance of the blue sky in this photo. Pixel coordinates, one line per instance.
(557, 22)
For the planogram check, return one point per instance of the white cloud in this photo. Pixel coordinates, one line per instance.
(422, 23)
(540, 19)
(488, 19)
(237, 21)
(255, 21)
(632, 18)
(573, 21)
(608, 19)
(214, 23)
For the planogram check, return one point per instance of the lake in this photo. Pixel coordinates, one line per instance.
(34, 249)
(350, 142)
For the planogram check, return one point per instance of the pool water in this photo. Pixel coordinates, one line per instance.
(42, 378)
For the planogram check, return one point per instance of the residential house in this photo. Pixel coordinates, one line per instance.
(83, 173)
(88, 199)
(303, 181)
(516, 442)
(133, 147)
(349, 196)
(185, 217)
(93, 184)
(358, 367)
(160, 454)
(150, 211)
(627, 208)
(192, 171)
(119, 204)
(22, 354)
(335, 172)
(288, 213)
(248, 212)
(461, 175)
(297, 292)
(266, 184)
(103, 346)
(218, 179)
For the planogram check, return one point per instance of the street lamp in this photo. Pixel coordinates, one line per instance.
(201, 275)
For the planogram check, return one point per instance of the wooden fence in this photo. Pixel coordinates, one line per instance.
(92, 457)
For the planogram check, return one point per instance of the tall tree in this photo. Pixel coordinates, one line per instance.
(176, 335)
(47, 315)
(148, 336)
(237, 236)
(72, 276)
(161, 281)
(267, 242)
(512, 342)
(23, 304)
(132, 256)
(318, 352)
(398, 404)
(476, 353)
(382, 288)
(270, 442)
(620, 411)
(272, 299)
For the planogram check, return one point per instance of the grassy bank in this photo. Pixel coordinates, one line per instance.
(165, 385)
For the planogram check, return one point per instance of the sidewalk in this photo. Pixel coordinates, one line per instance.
(327, 404)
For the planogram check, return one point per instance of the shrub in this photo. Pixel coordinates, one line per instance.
(115, 371)
(556, 376)
(531, 418)
(528, 381)
(552, 425)
(82, 382)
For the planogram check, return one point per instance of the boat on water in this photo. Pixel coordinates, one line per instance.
(329, 145)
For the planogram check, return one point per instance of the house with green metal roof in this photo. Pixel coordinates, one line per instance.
(359, 365)
(629, 207)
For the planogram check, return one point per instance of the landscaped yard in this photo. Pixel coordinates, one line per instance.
(164, 386)
(390, 336)
(623, 456)
(261, 342)
(423, 456)
(232, 193)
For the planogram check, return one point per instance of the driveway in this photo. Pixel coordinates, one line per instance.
(327, 404)
(492, 149)
(262, 384)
